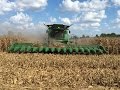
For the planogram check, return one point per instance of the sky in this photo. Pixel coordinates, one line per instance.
(88, 17)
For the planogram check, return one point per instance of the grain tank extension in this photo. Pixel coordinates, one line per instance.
(59, 33)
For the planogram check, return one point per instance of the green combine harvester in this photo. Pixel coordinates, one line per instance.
(60, 33)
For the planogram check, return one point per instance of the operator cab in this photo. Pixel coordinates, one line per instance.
(58, 32)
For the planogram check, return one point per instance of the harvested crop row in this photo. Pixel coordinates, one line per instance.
(69, 72)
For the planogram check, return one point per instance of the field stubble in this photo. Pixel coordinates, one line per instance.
(59, 72)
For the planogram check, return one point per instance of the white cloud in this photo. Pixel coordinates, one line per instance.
(116, 2)
(90, 13)
(89, 5)
(94, 16)
(118, 17)
(21, 5)
(65, 20)
(116, 22)
(21, 20)
(24, 22)
(93, 19)
(86, 20)
(6, 6)
(118, 13)
(95, 24)
(69, 21)
(52, 19)
(71, 5)
(85, 26)
(31, 4)
(95, 5)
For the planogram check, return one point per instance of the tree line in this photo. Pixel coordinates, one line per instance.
(101, 35)
(109, 35)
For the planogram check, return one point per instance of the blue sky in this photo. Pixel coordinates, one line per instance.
(89, 17)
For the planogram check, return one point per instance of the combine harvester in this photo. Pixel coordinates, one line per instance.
(60, 33)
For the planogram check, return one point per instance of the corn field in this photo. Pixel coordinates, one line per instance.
(5, 41)
(60, 72)
(112, 44)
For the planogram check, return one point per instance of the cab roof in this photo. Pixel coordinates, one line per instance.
(58, 26)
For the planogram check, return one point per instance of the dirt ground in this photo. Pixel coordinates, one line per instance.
(59, 72)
